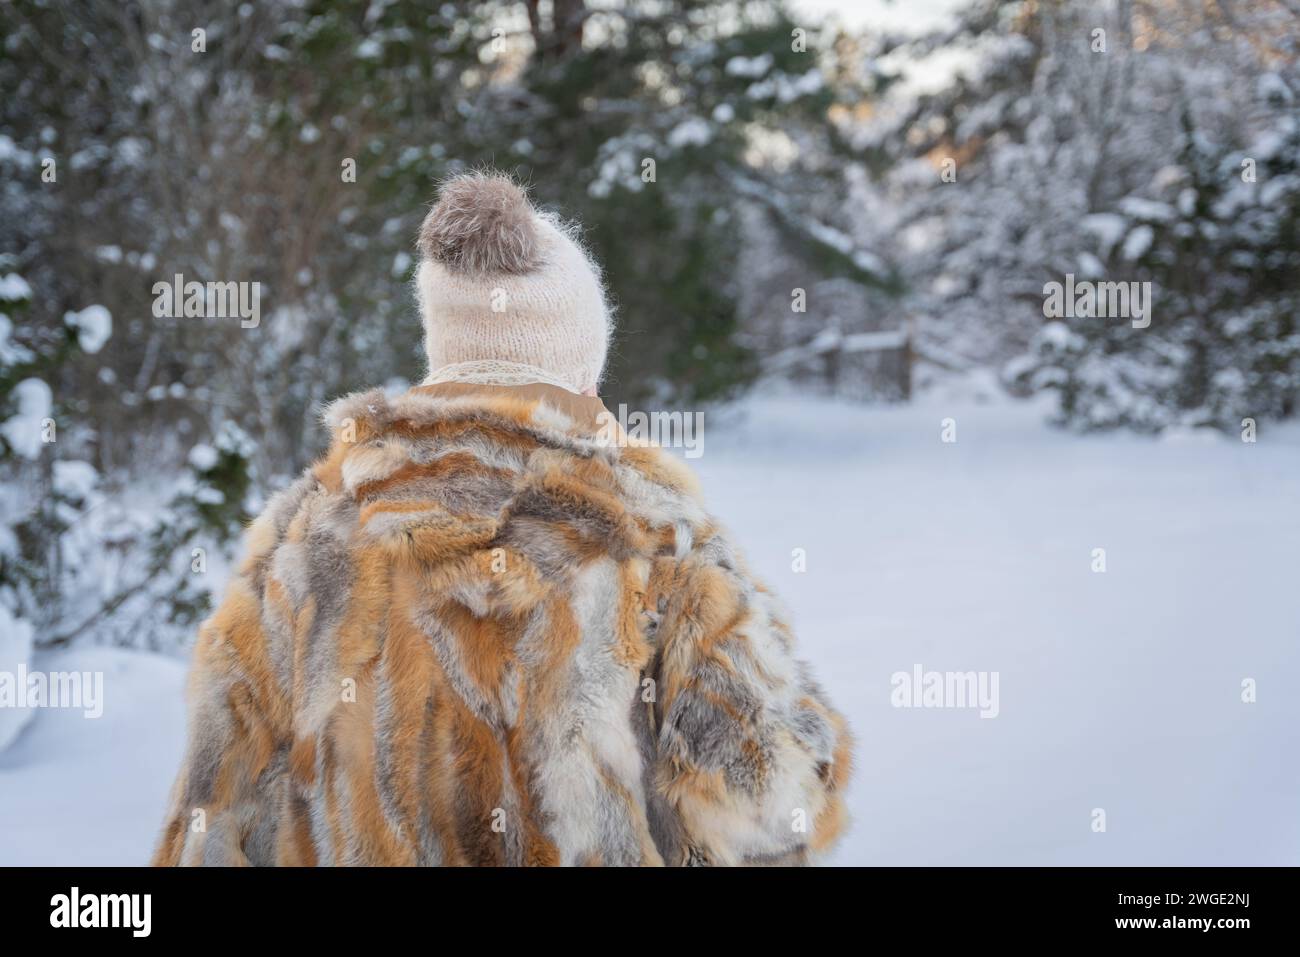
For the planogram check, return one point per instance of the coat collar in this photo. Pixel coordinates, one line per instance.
(585, 410)
(362, 415)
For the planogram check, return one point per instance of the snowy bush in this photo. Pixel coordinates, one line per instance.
(1223, 343)
(15, 654)
(120, 559)
(1170, 158)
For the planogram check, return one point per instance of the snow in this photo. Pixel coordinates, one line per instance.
(1118, 690)
(1107, 227)
(883, 339)
(690, 132)
(785, 88)
(24, 430)
(1271, 85)
(94, 325)
(1138, 242)
(93, 792)
(843, 243)
(203, 456)
(75, 479)
(1057, 335)
(231, 438)
(751, 67)
(832, 340)
(14, 288)
(1090, 266)
(1139, 208)
(15, 652)
(11, 353)
(207, 495)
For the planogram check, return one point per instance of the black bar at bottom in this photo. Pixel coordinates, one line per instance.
(1152, 905)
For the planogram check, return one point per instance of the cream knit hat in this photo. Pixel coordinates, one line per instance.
(506, 292)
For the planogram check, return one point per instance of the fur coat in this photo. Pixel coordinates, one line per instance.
(478, 632)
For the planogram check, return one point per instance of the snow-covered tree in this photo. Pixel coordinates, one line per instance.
(1127, 141)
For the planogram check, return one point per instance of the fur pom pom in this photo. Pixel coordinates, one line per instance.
(481, 224)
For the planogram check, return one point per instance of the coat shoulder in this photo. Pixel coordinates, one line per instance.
(487, 448)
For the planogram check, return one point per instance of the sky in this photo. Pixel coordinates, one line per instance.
(899, 16)
(908, 15)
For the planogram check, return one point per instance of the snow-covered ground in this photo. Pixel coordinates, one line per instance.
(1119, 691)
(92, 791)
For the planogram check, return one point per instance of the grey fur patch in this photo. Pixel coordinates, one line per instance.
(718, 551)
(698, 730)
(279, 644)
(208, 746)
(387, 768)
(320, 825)
(330, 577)
(541, 544)
(221, 837)
(460, 492)
(262, 829)
(447, 648)
(551, 515)
(712, 676)
(481, 225)
(814, 732)
(429, 851)
(665, 826)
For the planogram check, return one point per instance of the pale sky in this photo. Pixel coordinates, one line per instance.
(907, 15)
(900, 16)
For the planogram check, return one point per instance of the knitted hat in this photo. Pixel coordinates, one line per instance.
(502, 286)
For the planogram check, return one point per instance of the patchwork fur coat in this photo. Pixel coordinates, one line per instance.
(477, 632)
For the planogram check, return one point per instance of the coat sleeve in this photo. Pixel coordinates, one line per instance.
(225, 802)
(751, 755)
